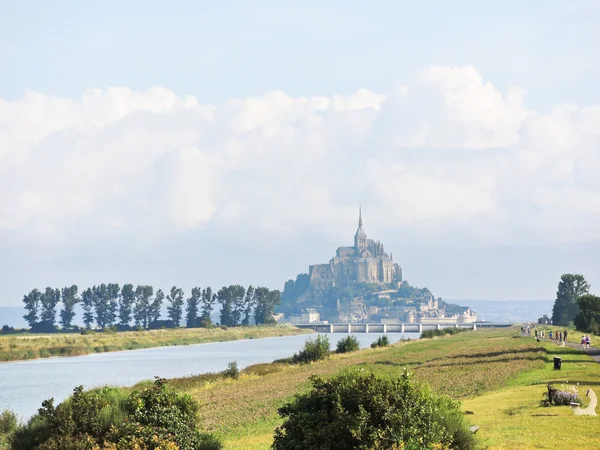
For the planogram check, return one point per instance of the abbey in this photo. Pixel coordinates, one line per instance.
(364, 262)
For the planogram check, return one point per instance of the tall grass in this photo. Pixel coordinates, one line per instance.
(30, 346)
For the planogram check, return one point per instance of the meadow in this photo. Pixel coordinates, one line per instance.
(33, 346)
(498, 375)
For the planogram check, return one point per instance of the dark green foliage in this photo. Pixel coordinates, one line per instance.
(347, 344)
(113, 292)
(448, 330)
(69, 300)
(48, 300)
(141, 311)
(174, 310)
(382, 341)
(32, 304)
(192, 308)
(8, 330)
(265, 301)
(101, 304)
(238, 296)
(358, 410)
(570, 288)
(126, 302)
(588, 319)
(155, 306)
(314, 350)
(208, 301)
(232, 371)
(225, 298)
(87, 299)
(8, 425)
(109, 417)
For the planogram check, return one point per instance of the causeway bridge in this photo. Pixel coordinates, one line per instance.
(394, 327)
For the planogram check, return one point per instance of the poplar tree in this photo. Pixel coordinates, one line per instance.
(174, 312)
(126, 302)
(69, 300)
(192, 308)
(32, 304)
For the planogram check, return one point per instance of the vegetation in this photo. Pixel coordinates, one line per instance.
(314, 350)
(382, 341)
(358, 410)
(108, 305)
(588, 319)
(8, 425)
(347, 344)
(428, 334)
(15, 347)
(232, 371)
(570, 288)
(152, 418)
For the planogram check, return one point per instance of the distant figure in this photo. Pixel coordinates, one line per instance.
(560, 336)
(536, 333)
(587, 341)
(565, 336)
(550, 335)
(582, 341)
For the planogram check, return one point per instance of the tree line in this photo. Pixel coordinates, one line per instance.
(575, 305)
(110, 305)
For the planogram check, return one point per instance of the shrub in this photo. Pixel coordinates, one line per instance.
(87, 331)
(8, 422)
(347, 344)
(314, 350)
(382, 341)
(110, 330)
(358, 410)
(152, 418)
(561, 397)
(232, 371)
(428, 334)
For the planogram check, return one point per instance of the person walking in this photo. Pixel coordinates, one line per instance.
(550, 334)
(565, 336)
(582, 341)
(587, 341)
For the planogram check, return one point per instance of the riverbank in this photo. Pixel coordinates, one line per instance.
(495, 373)
(34, 346)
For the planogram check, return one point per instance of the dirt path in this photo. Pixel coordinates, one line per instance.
(594, 352)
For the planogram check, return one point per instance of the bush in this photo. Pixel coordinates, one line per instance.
(110, 330)
(153, 418)
(313, 350)
(7, 330)
(382, 341)
(87, 331)
(347, 344)
(232, 371)
(8, 422)
(428, 334)
(357, 410)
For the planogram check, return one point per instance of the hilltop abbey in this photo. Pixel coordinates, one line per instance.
(364, 262)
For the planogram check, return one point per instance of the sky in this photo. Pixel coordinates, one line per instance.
(203, 143)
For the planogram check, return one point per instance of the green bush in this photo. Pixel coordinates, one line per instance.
(314, 350)
(428, 334)
(152, 418)
(382, 341)
(358, 410)
(86, 331)
(8, 425)
(347, 344)
(232, 371)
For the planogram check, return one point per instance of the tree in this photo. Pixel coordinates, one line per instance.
(358, 410)
(238, 294)
(208, 301)
(113, 291)
(142, 305)
(588, 319)
(125, 305)
(192, 308)
(87, 299)
(265, 301)
(174, 312)
(248, 305)
(32, 304)
(49, 299)
(154, 309)
(225, 298)
(69, 300)
(101, 305)
(570, 288)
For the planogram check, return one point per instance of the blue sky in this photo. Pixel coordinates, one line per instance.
(221, 49)
(205, 143)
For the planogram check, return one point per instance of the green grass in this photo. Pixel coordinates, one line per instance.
(33, 346)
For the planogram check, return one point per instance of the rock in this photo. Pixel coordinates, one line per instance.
(469, 412)
(474, 429)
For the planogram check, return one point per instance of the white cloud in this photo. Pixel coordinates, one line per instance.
(443, 152)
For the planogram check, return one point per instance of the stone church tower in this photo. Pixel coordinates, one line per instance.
(365, 262)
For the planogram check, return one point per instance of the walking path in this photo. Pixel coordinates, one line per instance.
(594, 352)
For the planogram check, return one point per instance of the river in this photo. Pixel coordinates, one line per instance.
(25, 384)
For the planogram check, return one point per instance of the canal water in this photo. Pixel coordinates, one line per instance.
(25, 384)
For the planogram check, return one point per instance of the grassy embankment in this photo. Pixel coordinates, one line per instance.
(33, 346)
(498, 376)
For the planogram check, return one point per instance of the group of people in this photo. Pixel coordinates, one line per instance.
(585, 341)
(559, 336)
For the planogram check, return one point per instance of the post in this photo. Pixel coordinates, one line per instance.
(474, 326)
(366, 327)
(438, 326)
(402, 328)
(349, 328)
(385, 327)
(331, 328)
(420, 328)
